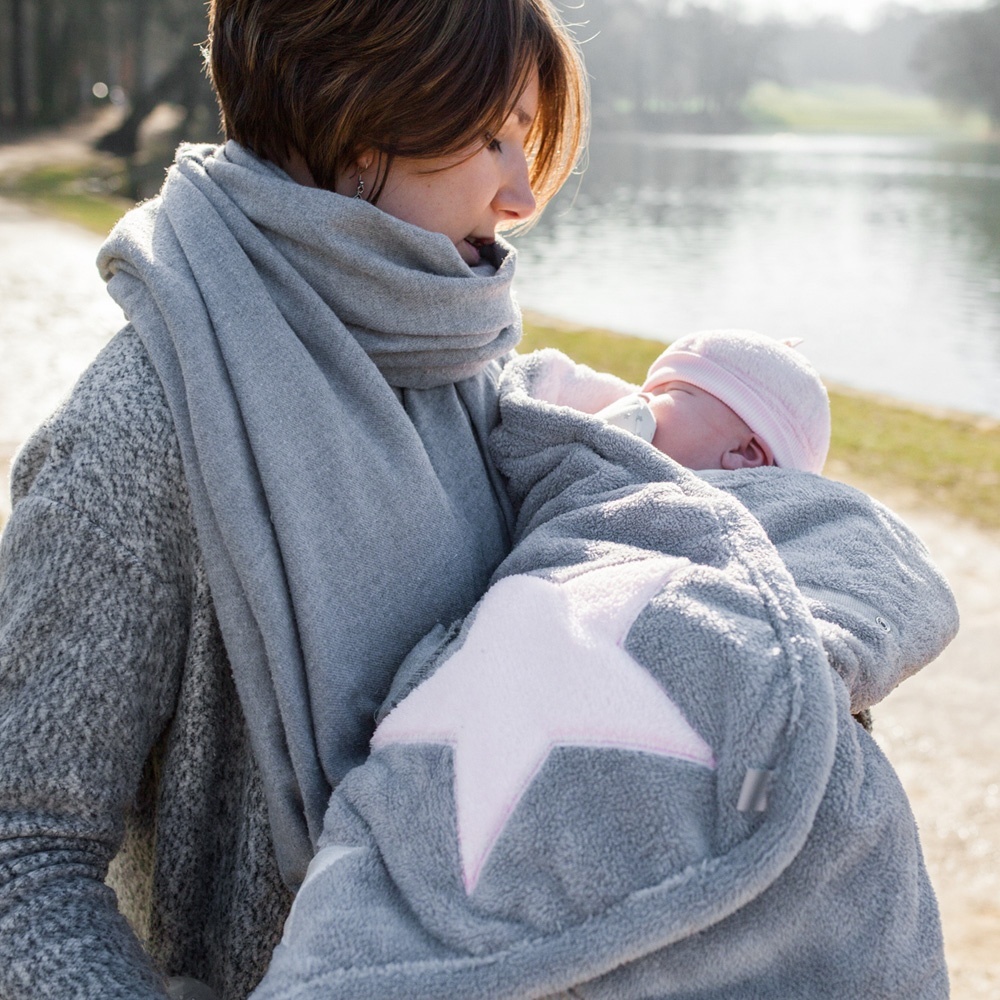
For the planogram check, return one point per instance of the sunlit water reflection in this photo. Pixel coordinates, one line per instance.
(884, 254)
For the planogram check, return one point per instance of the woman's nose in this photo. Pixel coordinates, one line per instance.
(515, 199)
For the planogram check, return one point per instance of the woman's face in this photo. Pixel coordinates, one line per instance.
(467, 196)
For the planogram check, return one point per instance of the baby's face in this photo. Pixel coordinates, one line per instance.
(699, 431)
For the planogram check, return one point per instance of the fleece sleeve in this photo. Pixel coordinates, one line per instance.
(882, 608)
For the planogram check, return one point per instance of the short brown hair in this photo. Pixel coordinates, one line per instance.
(421, 78)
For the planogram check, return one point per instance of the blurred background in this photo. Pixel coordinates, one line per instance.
(827, 169)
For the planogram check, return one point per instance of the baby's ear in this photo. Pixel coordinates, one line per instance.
(748, 454)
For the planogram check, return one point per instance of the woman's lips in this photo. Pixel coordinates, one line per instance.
(469, 252)
(469, 248)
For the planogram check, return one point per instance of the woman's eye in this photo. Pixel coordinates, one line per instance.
(493, 143)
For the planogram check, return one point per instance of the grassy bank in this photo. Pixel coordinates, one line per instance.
(866, 110)
(946, 461)
(82, 193)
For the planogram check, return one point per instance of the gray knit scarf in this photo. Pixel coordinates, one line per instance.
(309, 346)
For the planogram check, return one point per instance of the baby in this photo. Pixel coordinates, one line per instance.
(730, 399)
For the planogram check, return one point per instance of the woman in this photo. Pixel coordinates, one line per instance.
(270, 484)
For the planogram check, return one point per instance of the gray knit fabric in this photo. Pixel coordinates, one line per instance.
(337, 524)
(119, 721)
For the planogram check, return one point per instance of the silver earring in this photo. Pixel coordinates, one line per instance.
(361, 188)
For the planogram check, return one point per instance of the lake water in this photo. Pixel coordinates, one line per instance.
(882, 253)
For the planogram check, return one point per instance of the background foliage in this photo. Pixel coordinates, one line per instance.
(660, 64)
(53, 52)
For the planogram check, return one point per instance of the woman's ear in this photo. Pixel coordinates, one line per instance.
(365, 160)
(357, 177)
(361, 179)
(748, 454)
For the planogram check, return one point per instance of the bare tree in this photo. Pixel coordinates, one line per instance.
(57, 49)
(165, 65)
(726, 56)
(654, 67)
(16, 55)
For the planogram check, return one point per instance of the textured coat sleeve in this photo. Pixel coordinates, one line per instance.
(92, 627)
(882, 608)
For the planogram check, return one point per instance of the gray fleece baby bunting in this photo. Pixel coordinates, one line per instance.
(631, 772)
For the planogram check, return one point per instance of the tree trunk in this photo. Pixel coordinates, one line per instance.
(45, 68)
(19, 91)
(124, 140)
(140, 18)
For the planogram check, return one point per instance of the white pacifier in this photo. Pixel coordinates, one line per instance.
(631, 413)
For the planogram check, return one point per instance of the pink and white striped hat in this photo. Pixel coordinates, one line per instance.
(766, 382)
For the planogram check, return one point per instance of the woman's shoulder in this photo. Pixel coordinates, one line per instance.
(110, 452)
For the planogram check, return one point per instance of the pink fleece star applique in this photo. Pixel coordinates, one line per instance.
(543, 665)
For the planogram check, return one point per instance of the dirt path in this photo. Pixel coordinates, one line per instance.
(939, 729)
(69, 144)
(54, 313)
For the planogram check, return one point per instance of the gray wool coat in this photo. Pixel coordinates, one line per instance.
(135, 838)
(120, 726)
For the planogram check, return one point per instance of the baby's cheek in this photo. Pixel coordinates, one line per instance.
(673, 444)
(665, 434)
(660, 442)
